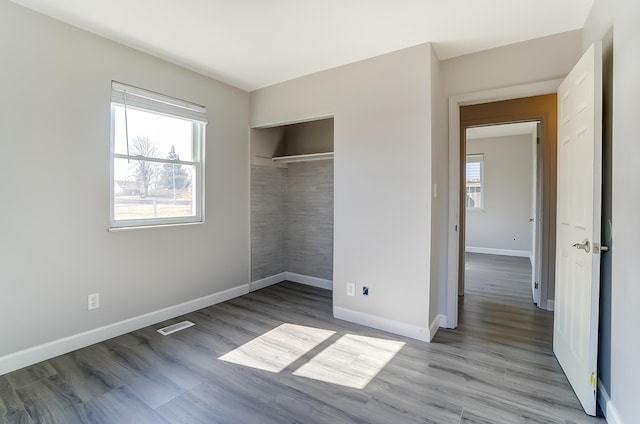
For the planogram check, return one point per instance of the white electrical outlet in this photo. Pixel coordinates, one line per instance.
(351, 289)
(93, 301)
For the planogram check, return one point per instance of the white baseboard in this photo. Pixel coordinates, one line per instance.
(33, 355)
(443, 321)
(385, 324)
(309, 281)
(291, 276)
(266, 282)
(551, 305)
(438, 321)
(503, 252)
(607, 406)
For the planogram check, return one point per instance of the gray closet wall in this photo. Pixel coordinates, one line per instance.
(268, 221)
(292, 207)
(309, 206)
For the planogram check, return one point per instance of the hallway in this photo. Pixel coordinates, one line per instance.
(498, 276)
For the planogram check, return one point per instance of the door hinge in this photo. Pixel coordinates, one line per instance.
(535, 285)
(593, 380)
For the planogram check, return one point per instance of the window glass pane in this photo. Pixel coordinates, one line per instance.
(153, 135)
(473, 171)
(144, 190)
(473, 198)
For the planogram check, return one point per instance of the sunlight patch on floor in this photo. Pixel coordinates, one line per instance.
(352, 361)
(277, 349)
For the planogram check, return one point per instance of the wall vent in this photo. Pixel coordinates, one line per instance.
(175, 327)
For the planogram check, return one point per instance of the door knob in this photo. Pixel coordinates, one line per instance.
(584, 245)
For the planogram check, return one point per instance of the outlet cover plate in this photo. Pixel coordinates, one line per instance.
(351, 289)
(93, 301)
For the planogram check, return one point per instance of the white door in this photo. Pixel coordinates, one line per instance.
(575, 328)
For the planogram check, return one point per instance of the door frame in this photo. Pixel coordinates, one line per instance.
(456, 150)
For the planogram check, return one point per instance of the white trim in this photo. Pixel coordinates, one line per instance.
(295, 121)
(443, 320)
(262, 161)
(138, 227)
(503, 252)
(437, 322)
(373, 321)
(606, 405)
(33, 355)
(268, 281)
(505, 93)
(293, 277)
(309, 281)
(550, 305)
(310, 157)
(140, 98)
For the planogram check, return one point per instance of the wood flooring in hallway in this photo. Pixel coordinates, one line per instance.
(497, 367)
(498, 276)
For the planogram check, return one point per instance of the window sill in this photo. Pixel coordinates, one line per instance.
(141, 227)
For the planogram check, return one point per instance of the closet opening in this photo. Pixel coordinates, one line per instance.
(292, 204)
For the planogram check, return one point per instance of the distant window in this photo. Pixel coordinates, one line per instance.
(157, 150)
(474, 194)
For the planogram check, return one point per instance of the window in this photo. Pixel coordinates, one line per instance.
(474, 188)
(157, 165)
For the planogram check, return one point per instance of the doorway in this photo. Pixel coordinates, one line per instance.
(464, 113)
(503, 208)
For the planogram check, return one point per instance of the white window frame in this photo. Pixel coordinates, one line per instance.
(476, 158)
(136, 98)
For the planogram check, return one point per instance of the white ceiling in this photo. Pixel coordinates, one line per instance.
(501, 130)
(256, 43)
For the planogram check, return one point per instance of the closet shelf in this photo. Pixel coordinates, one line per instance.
(303, 158)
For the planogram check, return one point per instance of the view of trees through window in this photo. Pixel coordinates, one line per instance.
(155, 177)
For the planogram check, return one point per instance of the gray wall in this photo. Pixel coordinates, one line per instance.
(267, 142)
(508, 195)
(530, 61)
(309, 137)
(381, 109)
(625, 290)
(309, 207)
(618, 362)
(439, 193)
(292, 220)
(54, 128)
(268, 221)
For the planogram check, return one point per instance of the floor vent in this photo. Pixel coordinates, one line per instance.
(175, 327)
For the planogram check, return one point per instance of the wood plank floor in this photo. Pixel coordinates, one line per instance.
(497, 367)
(498, 276)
